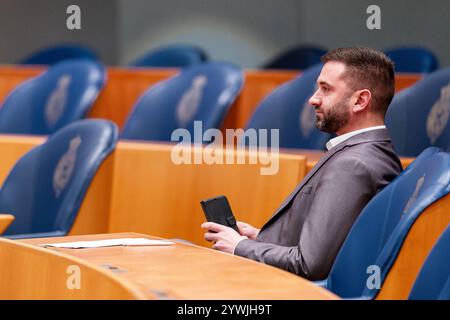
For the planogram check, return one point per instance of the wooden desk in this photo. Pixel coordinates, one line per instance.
(5, 221)
(30, 272)
(190, 272)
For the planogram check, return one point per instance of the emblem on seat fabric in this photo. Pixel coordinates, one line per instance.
(307, 120)
(190, 101)
(57, 101)
(413, 197)
(65, 166)
(439, 115)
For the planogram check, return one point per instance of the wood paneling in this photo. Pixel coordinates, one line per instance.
(123, 89)
(152, 195)
(93, 216)
(30, 272)
(5, 221)
(416, 247)
(138, 177)
(12, 148)
(313, 156)
(258, 84)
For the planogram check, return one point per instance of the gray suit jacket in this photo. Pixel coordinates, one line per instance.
(307, 231)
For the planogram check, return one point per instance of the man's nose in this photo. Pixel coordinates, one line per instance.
(314, 101)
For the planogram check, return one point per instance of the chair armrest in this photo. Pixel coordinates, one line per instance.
(5, 221)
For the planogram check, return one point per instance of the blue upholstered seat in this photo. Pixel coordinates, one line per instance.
(377, 235)
(46, 187)
(297, 58)
(55, 54)
(202, 92)
(62, 94)
(413, 59)
(419, 116)
(172, 56)
(287, 109)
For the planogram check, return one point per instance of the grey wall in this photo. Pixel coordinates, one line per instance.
(250, 31)
(403, 22)
(27, 25)
(244, 31)
(247, 32)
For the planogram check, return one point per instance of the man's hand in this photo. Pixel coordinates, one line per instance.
(247, 230)
(225, 239)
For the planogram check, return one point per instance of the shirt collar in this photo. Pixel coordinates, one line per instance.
(339, 139)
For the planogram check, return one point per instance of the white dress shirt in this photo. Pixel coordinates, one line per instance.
(339, 139)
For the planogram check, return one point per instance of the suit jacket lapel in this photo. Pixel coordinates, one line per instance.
(305, 180)
(370, 136)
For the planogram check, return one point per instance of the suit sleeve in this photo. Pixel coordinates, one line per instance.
(345, 187)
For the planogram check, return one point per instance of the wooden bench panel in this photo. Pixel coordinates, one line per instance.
(152, 195)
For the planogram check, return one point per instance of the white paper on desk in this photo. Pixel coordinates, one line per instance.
(109, 243)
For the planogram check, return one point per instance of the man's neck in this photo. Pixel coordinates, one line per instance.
(350, 128)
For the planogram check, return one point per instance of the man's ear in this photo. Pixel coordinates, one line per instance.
(363, 98)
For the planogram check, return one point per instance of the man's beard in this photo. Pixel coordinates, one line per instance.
(335, 118)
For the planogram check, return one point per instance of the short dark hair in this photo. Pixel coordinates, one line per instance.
(367, 69)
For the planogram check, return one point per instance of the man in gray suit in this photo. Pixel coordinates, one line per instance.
(354, 89)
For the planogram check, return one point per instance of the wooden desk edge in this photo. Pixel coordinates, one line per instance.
(36, 241)
(137, 293)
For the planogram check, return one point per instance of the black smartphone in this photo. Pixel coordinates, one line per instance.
(218, 210)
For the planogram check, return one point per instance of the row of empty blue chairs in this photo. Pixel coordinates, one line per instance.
(180, 55)
(46, 187)
(418, 116)
(46, 103)
(377, 235)
(67, 91)
(407, 59)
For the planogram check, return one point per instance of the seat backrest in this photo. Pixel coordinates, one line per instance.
(46, 187)
(287, 109)
(203, 93)
(377, 235)
(418, 117)
(172, 56)
(62, 94)
(413, 59)
(52, 55)
(433, 281)
(300, 58)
